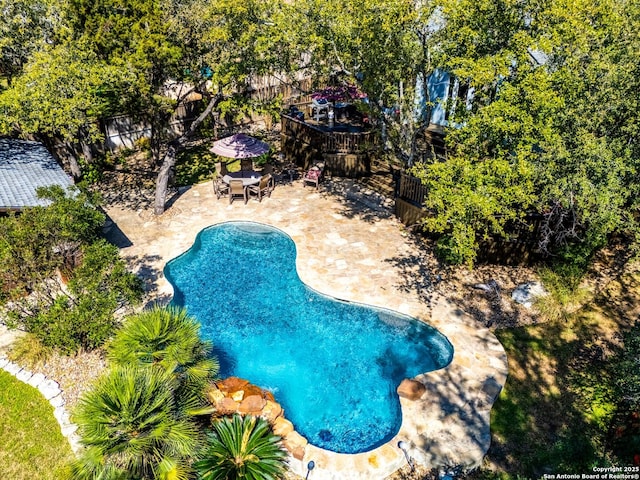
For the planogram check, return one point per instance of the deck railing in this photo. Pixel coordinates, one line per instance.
(328, 142)
(411, 189)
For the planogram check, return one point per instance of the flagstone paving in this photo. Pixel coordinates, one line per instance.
(350, 246)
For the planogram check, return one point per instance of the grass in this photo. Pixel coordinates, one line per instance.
(29, 352)
(31, 445)
(559, 405)
(197, 165)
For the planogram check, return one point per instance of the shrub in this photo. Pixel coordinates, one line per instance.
(242, 448)
(133, 427)
(29, 352)
(42, 239)
(563, 283)
(166, 338)
(195, 165)
(82, 314)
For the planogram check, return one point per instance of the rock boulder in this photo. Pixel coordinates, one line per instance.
(411, 389)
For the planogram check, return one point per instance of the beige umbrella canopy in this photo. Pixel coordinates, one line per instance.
(239, 146)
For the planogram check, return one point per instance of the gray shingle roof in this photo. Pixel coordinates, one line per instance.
(25, 166)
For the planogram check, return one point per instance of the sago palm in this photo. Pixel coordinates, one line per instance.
(242, 448)
(133, 428)
(167, 338)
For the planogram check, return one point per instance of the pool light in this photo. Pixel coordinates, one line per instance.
(310, 466)
(405, 449)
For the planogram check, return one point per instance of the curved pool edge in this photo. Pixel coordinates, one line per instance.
(296, 441)
(449, 425)
(345, 256)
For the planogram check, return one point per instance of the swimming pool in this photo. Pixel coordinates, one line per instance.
(333, 365)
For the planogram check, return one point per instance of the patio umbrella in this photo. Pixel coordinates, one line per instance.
(239, 146)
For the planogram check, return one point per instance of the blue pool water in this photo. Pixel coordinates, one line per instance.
(334, 366)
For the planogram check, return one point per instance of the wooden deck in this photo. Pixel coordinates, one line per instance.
(344, 153)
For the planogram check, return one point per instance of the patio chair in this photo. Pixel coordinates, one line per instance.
(264, 187)
(221, 169)
(220, 188)
(268, 169)
(246, 164)
(275, 172)
(313, 176)
(237, 189)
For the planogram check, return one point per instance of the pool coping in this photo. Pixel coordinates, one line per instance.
(454, 431)
(448, 427)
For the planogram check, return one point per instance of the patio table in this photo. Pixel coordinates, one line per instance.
(247, 177)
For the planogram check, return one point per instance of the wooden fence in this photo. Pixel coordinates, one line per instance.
(411, 189)
(409, 201)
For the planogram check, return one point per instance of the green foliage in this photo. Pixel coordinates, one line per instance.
(82, 314)
(60, 92)
(29, 352)
(31, 444)
(562, 281)
(628, 370)
(195, 165)
(167, 339)
(42, 239)
(136, 422)
(382, 46)
(242, 448)
(133, 427)
(26, 24)
(263, 159)
(91, 171)
(63, 239)
(556, 408)
(538, 137)
(470, 200)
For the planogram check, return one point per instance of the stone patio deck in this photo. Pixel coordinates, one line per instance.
(354, 249)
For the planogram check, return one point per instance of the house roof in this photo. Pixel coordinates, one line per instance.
(25, 166)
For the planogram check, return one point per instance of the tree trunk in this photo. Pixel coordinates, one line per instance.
(74, 166)
(169, 159)
(87, 152)
(162, 182)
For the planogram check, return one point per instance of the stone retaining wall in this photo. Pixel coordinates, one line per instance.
(236, 395)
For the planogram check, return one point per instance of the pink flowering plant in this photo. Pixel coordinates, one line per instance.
(339, 93)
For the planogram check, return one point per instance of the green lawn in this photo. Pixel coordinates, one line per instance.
(31, 445)
(558, 409)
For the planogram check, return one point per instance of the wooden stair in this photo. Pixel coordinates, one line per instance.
(385, 173)
(382, 178)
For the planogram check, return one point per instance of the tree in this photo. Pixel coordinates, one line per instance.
(102, 57)
(132, 37)
(167, 339)
(27, 26)
(34, 244)
(61, 93)
(111, 56)
(79, 315)
(386, 47)
(62, 239)
(538, 138)
(228, 45)
(242, 448)
(133, 427)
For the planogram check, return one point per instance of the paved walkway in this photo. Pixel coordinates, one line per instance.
(349, 247)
